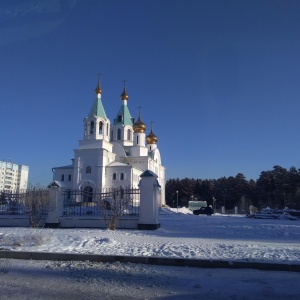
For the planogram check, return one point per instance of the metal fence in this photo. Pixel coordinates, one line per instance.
(86, 202)
(21, 203)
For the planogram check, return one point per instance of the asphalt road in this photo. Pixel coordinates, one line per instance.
(28, 279)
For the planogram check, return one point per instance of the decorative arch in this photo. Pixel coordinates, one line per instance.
(92, 127)
(88, 170)
(100, 127)
(128, 134)
(119, 134)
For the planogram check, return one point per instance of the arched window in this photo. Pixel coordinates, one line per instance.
(114, 176)
(88, 170)
(128, 134)
(122, 176)
(100, 127)
(137, 139)
(70, 177)
(119, 134)
(120, 118)
(92, 127)
(62, 177)
(88, 194)
(107, 129)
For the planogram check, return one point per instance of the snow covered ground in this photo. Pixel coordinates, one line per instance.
(181, 235)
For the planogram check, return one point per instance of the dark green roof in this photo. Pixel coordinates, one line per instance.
(123, 116)
(97, 109)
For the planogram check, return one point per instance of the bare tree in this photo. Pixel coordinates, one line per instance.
(36, 203)
(113, 205)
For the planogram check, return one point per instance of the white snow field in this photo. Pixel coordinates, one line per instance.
(182, 235)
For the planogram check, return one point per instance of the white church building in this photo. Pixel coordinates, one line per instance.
(112, 154)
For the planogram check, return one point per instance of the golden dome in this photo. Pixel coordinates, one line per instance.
(124, 95)
(151, 138)
(139, 126)
(98, 89)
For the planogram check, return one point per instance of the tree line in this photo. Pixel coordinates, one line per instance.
(277, 188)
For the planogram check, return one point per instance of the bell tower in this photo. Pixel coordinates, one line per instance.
(122, 132)
(96, 124)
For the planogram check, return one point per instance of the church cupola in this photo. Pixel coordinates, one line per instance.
(139, 126)
(98, 89)
(124, 95)
(151, 140)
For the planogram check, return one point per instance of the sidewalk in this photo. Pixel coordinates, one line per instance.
(197, 263)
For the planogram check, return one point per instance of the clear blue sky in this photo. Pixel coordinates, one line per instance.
(220, 80)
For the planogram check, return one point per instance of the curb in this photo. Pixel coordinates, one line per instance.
(179, 262)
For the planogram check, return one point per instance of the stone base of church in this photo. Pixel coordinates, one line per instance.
(148, 226)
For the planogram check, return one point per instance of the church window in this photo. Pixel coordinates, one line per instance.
(120, 118)
(128, 134)
(114, 176)
(122, 176)
(119, 134)
(92, 127)
(100, 127)
(88, 170)
(107, 130)
(62, 177)
(69, 177)
(88, 194)
(137, 140)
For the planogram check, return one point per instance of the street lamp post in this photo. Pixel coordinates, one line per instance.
(284, 193)
(177, 200)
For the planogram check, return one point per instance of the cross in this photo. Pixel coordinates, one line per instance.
(151, 124)
(139, 110)
(99, 76)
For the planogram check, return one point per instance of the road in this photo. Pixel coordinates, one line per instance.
(23, 279)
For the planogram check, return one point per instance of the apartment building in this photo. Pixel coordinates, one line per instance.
(13, 177)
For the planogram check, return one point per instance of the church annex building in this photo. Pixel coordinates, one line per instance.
(112, 154)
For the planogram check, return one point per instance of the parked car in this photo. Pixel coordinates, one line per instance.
(204, 211)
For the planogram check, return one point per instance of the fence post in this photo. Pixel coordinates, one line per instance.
(236, 210)
(52, 220)
(149, 201)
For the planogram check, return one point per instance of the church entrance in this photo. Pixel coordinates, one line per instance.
(88, 194)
